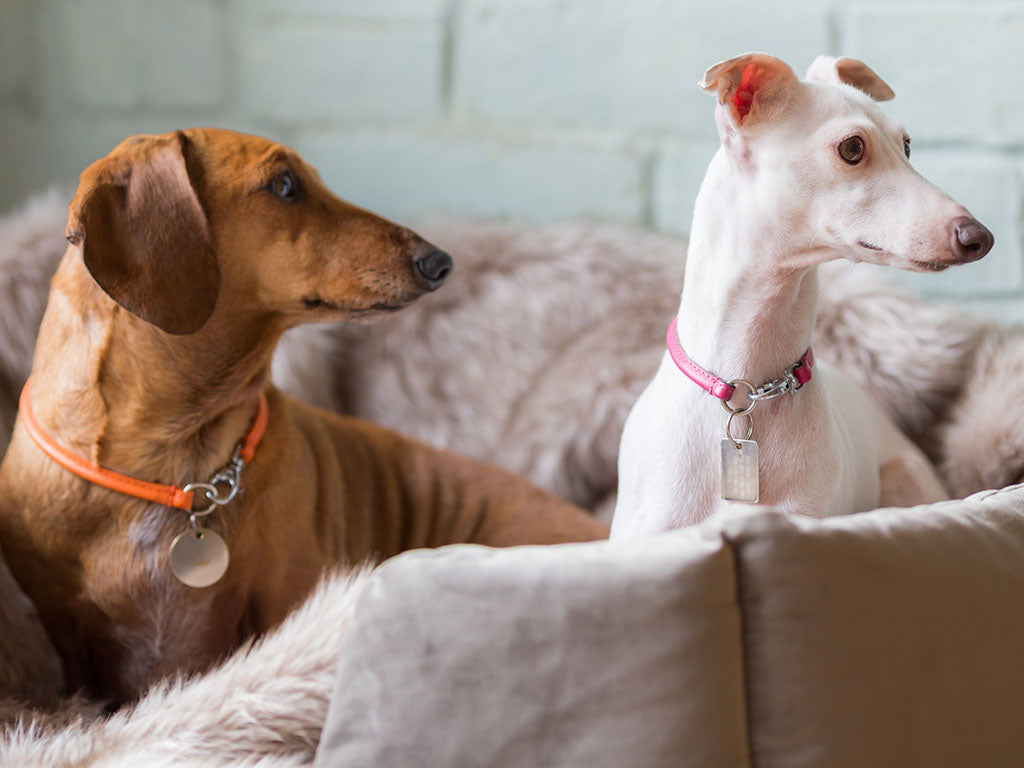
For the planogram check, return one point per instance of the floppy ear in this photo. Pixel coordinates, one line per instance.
(749, 86)
(144, 236)
(825, 69)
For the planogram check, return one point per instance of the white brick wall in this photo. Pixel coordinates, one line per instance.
(351, 73)
(628, 67)
(427, 174)
(530, 109)
(15, 30)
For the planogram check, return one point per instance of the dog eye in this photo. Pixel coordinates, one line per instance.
(284, 187)
(906, 146)
(852, 149)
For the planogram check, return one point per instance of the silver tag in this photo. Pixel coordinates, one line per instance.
(198, 557)
(739, 471)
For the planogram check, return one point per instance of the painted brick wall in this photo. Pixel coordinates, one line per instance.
(528, 109)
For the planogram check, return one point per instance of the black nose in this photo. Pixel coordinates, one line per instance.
(971, 240)
(434, 267)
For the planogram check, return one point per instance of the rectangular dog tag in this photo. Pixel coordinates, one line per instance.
(739, 471)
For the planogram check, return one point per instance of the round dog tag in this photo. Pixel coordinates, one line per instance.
(199, 557)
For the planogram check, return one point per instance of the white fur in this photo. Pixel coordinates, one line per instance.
(981, 443)
(776, 202)
(265, 706)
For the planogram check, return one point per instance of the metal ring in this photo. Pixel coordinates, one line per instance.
(728, 428)
(209, 491)
(740, 411)
(230, 479)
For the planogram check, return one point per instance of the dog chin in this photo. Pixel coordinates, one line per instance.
(928, 266)
(374, 310)
(886, 258)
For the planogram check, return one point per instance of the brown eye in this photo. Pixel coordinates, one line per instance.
(852, 149)
(906, 146)
(284, 187)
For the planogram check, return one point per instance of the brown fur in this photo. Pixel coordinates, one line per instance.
(156, 343)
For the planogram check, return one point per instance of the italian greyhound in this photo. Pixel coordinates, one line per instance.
(807, 172)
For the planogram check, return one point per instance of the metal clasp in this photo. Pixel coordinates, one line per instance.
(788, 384)
(222, 487)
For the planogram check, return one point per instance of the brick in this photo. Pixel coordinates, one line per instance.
(182, 53)
(953, 67)
(615, 65)
(377, 10)
(124, 54)
(96, 52)
(301, 72)
(678, 173)
(15, 46)
(986, 184)
(405, 176)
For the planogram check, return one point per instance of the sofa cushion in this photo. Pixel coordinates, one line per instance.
(590, 655)
(893, 638)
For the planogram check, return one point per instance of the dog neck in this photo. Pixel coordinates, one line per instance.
(128, 396)
(750, 297)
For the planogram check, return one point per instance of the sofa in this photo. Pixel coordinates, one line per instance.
(890, 638)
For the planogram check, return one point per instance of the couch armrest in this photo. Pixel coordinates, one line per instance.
(576, 655)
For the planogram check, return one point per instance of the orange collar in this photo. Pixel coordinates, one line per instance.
(170, 495)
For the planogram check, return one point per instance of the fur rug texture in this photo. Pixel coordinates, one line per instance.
(264, 706)
(530, 357)
(31, 244)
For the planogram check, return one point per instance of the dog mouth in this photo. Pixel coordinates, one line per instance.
(930, 266)
(869, 246)
(320, 304)
(918, 265)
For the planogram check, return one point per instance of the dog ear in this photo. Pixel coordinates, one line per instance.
(826, 69)
(748, 86)
(144, 236)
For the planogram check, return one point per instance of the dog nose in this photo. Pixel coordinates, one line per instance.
(971, 239)
(434, 267)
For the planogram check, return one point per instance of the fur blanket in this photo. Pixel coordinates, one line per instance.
(265, 706)
(530, 357)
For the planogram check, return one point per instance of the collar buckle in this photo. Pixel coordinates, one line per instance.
(228, 478)
(786, 385)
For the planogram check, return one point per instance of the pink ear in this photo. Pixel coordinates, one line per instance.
(847, 71)
(748, 85)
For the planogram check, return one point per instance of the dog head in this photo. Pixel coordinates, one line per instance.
(820, 157)
(171, 225)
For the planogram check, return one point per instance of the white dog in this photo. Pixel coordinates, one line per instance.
(807, 172)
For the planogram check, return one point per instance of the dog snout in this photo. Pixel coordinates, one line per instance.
(971, 239)
(433, 267)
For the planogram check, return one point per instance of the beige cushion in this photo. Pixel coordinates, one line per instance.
(578, 655)
(894, 638)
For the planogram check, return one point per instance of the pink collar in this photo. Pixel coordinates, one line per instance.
(795, 377)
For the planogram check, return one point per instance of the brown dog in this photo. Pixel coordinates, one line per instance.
(191, 253)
